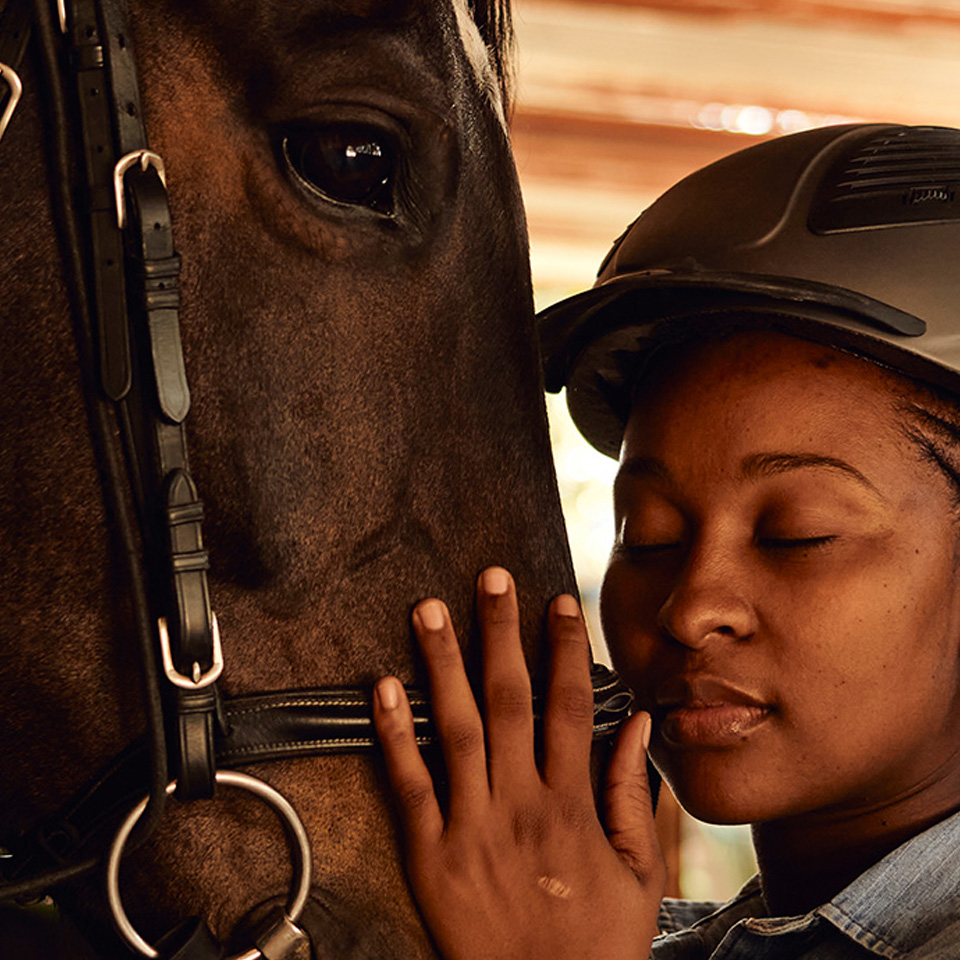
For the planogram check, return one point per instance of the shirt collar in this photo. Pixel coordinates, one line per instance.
(904, 901)
(908, 897)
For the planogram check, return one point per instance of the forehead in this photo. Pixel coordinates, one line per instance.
(763, 388)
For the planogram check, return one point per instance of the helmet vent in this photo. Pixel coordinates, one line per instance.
(904, 175)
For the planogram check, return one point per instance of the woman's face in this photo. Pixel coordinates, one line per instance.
(783, 594)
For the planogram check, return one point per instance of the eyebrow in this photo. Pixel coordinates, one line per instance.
(645, 467)
(752, 466)
(768, 464)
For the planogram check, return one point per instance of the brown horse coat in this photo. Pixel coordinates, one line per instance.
(367, 429)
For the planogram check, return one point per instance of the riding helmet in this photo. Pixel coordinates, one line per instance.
(847, 235)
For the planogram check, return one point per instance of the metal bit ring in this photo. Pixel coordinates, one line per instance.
(229, 778)
(15, 89)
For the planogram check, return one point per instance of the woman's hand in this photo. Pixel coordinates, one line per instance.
(520, 867)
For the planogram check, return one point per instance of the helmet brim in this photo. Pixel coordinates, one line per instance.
(595, 342)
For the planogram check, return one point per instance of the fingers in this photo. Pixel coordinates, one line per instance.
(508, 707)
(569, 715)
(630, 826)
(408, 774)
(454, 710)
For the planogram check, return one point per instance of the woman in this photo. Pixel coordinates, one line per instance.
(770, 349)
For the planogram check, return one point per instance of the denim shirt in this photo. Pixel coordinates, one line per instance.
(905, 906)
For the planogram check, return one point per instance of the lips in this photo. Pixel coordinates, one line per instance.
(699, 711)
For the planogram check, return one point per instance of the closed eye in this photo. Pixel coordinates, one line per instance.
(636, 550)
(795, 543)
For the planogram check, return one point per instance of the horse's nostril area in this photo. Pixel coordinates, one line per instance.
(335, 930)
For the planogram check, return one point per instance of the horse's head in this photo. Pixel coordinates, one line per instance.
(367, 427)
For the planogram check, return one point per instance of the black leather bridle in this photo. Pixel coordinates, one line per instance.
(115, 231)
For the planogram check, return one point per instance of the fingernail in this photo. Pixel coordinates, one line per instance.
(495, 581)
(566, 606)
(388, 693)
(647, 730)
(431, 614)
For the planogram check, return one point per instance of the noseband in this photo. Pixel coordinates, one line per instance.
(122, 269)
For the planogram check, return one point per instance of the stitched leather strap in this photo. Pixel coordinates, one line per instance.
(269, 726)
(91, 83)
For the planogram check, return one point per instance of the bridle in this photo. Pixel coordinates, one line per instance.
(122, 270)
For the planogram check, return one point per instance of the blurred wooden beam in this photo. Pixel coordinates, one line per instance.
(601, 58)
(584, 179)
(879, 12)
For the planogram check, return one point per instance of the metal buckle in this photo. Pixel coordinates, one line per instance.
(146, 158)
(9, 76)
(295, 832)
(199, 680)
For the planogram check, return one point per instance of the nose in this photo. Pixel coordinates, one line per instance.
(708, 602)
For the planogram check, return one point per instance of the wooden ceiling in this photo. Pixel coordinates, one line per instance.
(619, 99)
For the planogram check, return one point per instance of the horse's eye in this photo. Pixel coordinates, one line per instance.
(345, 163)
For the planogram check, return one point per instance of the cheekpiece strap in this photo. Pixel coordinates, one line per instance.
(109, 307)
(135, 272)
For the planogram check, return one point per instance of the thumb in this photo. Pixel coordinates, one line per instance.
(629, 808)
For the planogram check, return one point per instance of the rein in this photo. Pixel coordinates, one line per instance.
(122, 270)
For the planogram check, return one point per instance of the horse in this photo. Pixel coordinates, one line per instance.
(366, 428)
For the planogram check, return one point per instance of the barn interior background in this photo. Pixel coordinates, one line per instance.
(617, 100)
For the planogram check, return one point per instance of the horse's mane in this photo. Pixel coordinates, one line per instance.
(495, 22)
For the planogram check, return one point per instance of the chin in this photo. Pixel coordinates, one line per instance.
(720, 793)
(717, 810)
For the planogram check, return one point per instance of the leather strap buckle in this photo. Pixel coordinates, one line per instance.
(146, 158)
(12, 80)
(199, 680)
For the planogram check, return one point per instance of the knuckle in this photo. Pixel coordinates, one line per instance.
(577, 814)
(413, 795)
(509, 701)
(464, 738)
(395, 733)
(528, 826)
(648, 866)
(572, 702)
(566, 630)
(499, 615)
(453, 861)
(636, 793)
(446, 654)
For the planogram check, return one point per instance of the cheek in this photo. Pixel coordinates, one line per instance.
(867, 644)
(629, 606)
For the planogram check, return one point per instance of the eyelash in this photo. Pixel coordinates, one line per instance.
(648, 550)
(645, 549)
(799, 543)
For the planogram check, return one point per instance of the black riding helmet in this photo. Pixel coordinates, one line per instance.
(847, 235)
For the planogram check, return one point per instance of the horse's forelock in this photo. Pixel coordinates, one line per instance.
(495, 23)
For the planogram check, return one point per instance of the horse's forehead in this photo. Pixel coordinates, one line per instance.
(305, 17)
